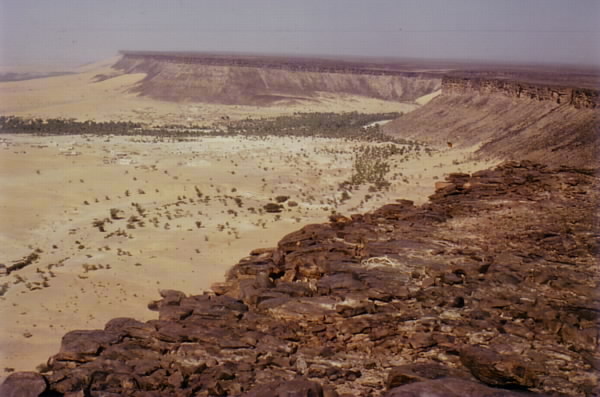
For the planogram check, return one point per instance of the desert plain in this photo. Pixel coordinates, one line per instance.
(111, 220)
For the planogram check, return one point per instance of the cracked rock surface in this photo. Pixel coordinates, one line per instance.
(490, 289)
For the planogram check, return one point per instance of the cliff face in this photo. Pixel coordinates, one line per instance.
(577, 97)
(259, 81)
(510, 120)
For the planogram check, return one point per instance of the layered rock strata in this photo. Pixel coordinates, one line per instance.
(490, 289)
(509, 119)
(577, 97)
(265, 80)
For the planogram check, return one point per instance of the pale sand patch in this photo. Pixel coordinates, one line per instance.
(380, 123)
(426, 98)
(47, 209)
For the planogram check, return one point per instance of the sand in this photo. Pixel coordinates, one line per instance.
(54, 188)
(83, 97)
(425, 99)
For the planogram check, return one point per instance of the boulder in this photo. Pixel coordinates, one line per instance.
(452, 387)
(23, 384)
(497, 369)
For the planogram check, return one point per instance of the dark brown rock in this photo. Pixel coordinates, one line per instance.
(87, 342)
(451, 387)
(506, 259)
(340, 282)
(293, 388)
(23, 384)
(499, 370)
(418, 372)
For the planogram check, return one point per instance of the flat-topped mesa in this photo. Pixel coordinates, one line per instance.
(298, 64)
(577, 97)
(263, 80)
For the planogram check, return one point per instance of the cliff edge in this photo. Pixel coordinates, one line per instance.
(490, 289)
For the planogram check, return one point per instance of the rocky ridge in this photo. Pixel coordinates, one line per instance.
(490, 289)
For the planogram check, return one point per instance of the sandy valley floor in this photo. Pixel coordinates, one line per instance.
(109, 221)
(182, 213)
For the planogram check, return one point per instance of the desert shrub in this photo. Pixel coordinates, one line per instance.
(116, 214)
(273, 207)
(370, 165)
(282, 199)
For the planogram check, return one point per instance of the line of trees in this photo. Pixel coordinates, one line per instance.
(18, 125)
(349, 125)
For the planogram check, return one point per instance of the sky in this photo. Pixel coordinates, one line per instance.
(74, 32)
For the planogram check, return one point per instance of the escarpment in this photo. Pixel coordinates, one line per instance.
(490, 289)
(510, 119)
(265, 80)
(581, 98)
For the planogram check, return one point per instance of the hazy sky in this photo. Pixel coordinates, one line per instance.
(72, 32)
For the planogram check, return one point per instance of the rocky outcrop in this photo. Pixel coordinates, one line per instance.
(262, 80)
(490, 289)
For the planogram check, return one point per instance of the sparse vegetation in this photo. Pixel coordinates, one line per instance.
(349, 125)
(273, 208)
(371, 165)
